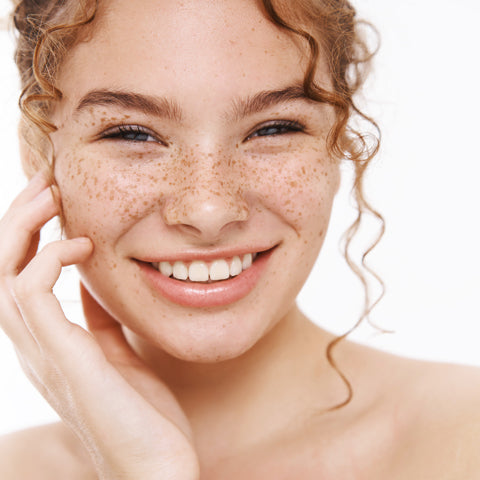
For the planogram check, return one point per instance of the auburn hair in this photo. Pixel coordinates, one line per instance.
(47, 29)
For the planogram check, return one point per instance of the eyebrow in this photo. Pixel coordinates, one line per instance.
(158, 106)
(261, 101)
(165, 108)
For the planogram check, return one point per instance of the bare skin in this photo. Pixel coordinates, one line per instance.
(159, 388)
(410, 420)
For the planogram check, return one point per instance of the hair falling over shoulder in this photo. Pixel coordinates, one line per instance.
(47, 29)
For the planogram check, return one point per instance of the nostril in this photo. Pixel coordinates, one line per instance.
(205, 215)
(187, 230)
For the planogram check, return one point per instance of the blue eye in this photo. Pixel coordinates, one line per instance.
(130, 133)
(277, 128)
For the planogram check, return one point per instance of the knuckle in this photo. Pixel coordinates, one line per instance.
(16, 219)
(24, 287)
(50, 254)
(46, 255)
(21, 219)
(50, 249)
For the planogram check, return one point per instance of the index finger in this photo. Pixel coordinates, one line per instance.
(25, 217)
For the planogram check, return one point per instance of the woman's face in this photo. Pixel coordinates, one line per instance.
(184, 137)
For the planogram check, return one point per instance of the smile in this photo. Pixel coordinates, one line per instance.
(201, 271)
(203, 284)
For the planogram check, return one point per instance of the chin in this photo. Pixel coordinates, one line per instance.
(202, 339)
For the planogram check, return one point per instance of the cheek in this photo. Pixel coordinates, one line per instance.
(101, 198)
(300, 189)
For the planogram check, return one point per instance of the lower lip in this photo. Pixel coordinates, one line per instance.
(204, 295)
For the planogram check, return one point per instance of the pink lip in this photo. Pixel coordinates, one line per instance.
(204, 295)
(189, 256)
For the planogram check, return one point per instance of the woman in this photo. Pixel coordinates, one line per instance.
(195, 153)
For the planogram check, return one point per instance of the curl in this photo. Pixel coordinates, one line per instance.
(48, 28)
(348, 59)
(45, 31)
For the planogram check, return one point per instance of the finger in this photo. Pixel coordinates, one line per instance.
(107, 331)
(36, 184)
(109, 335)
(18, 226)
(31, 251)
(11, 321)
(32, 291)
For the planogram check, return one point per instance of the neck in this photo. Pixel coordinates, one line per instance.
(284, 375)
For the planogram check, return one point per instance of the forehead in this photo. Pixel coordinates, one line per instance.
(187, 45)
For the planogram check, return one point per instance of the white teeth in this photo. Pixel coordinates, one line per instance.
(247, 261)
(166, 268)
(180, 271)
(235, 266)
(219, 270)
(200, 271)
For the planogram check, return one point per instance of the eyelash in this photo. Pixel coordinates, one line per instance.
(130, 133)
(282, 127)
(126, 132)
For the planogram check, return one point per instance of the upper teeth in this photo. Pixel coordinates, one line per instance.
(200, 271)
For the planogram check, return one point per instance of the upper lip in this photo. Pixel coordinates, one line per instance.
(205, 254)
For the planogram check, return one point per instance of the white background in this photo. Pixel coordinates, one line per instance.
(424, 93)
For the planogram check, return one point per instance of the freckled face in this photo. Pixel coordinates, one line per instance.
(205, 169)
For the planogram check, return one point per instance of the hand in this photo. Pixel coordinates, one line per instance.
(126, 417)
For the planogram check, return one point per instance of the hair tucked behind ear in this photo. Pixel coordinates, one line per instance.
(331, 27)
(48, 28)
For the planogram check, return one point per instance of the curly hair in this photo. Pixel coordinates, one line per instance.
(48, 28)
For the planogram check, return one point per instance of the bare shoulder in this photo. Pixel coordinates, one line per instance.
(436, 412)
(445, 423)
(412, 418)
(45, 452)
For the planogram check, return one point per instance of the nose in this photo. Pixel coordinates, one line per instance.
(207, 206)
